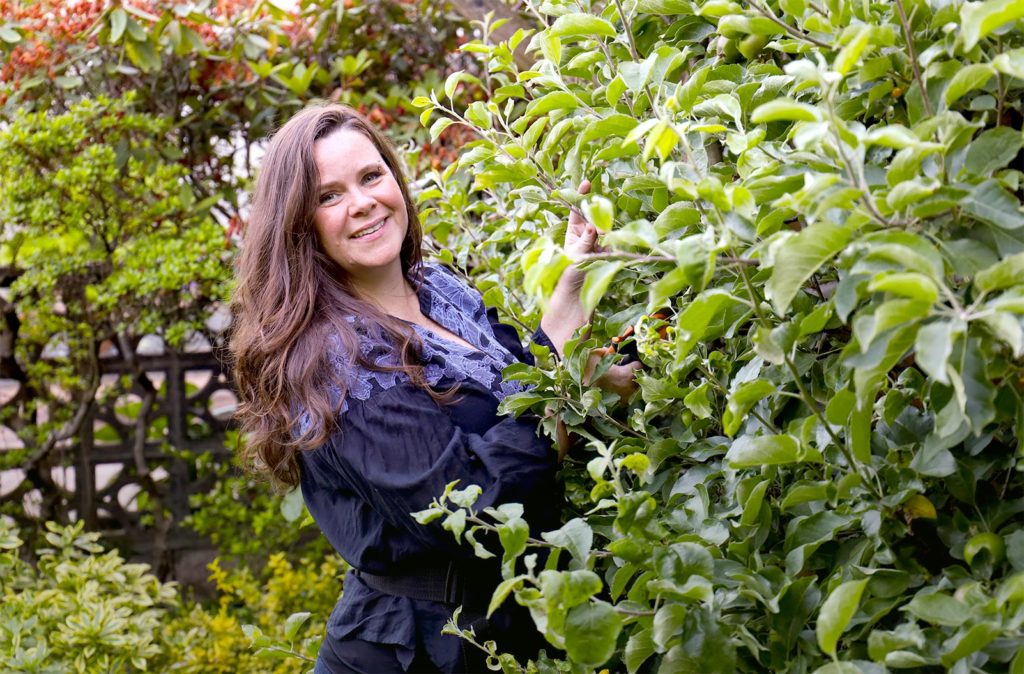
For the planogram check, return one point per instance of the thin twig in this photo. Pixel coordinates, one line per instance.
(798, 34)
(631, 257)
(913, 58)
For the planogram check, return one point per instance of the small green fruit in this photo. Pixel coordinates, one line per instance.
(988, 541)
(751, 46)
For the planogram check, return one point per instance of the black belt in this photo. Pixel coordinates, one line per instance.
(445, 584)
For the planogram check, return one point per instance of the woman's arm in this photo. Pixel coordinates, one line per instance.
(565, 314)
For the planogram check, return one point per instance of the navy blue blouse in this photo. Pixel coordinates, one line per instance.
(395, 450)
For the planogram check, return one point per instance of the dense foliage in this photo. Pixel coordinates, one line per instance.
(79, 609)
(812, 220)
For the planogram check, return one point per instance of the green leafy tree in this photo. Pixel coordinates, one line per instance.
(112, 246)
(811, 215)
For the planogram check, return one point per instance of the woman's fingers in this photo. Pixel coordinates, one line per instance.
(620, 379)
(576, 219)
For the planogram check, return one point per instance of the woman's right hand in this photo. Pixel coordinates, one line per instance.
(618, 379)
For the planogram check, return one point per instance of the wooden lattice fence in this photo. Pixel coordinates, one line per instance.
(130, 467)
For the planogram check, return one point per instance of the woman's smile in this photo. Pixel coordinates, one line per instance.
(369, 232)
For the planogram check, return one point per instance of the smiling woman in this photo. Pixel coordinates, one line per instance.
(373, 380)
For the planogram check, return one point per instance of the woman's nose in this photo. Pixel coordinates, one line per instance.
(360, 202)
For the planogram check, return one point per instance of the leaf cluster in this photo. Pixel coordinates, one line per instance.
(811, 218)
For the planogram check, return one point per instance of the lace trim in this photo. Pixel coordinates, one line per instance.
(458, 308)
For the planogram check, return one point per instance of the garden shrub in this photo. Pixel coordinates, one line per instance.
(811, 214)
(79, 609)
(283, 609)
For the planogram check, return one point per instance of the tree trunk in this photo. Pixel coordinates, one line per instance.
(475, 10)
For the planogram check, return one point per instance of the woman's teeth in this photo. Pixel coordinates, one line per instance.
(368, 230)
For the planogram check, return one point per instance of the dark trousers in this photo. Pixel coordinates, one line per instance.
(355, 656)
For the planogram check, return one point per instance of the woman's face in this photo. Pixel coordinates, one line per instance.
(361, 218)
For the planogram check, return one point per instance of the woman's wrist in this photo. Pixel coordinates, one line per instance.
(565, 313)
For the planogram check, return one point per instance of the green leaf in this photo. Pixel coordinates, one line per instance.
(839, 668)
(292, 505)
(697, 401)
(785, 110)
(895, 136)
(664, 7)
(427, 516)
(801, 255)
(438, 127)
(9, 35)
(697, 316)
(118, 22)
(143, 55)
(610, 126)
(668, 623)
(455, 522)
(852, 51)
(933, 347)
(906, 284)
(752, 506)
(766, 450)
(1003, 274)
(706, 647)
(993, 150)
(464, 498)
(479, 115)
(979, 394)
(501, 593)
(598, 278)
(639, 648)
(970, 641)
(938, 608)
(871, 367)
(591, 631)
(453, 81)
(1010, 63)
(968, 78)
(979, 19)
(581, 25)
(294, 623)
(836, 613)
(576, 536)
(513, 535)
(741, 399)
(860, 433)
(600, 212)
(556, 100)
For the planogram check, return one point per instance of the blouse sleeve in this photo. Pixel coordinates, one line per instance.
(509, 338)
(399, 449)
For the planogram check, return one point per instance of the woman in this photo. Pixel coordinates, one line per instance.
(372, 380)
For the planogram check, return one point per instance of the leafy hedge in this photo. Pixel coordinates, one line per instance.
(822, 202)
(83, 609)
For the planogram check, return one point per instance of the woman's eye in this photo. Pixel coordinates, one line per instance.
(372, 176)
(327, 197)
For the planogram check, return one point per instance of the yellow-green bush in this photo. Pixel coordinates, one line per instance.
(79, 609)
(214, 641)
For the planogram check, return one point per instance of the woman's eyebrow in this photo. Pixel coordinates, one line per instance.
(378, 166)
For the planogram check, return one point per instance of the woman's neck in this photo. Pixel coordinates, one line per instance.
(392, 293)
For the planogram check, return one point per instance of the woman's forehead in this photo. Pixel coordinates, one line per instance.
(344, 151)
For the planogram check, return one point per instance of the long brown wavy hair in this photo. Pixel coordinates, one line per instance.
(291, 300)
